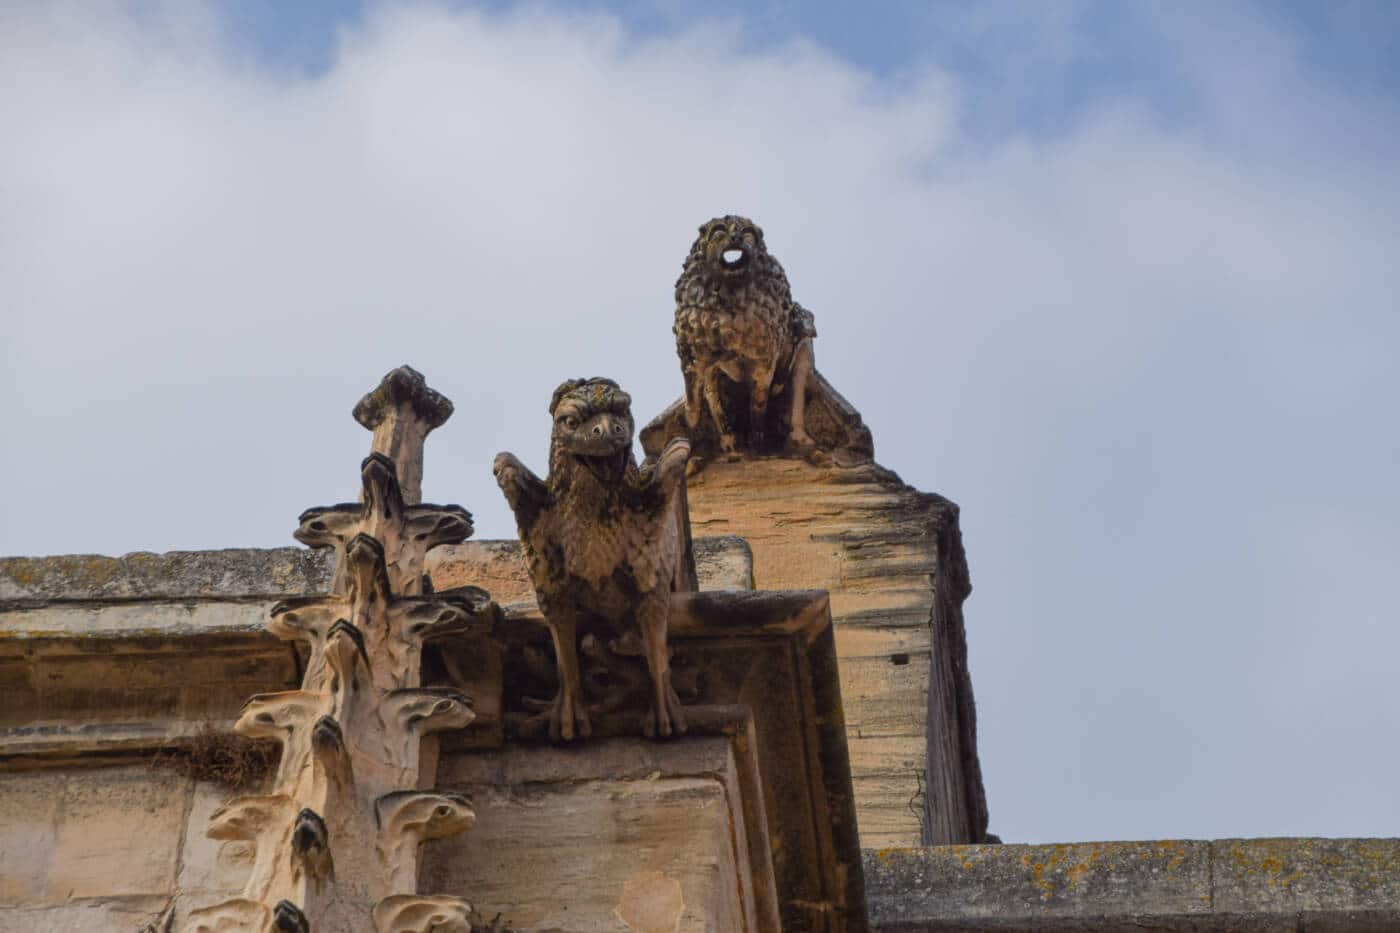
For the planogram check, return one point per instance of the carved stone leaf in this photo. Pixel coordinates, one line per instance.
(306, 619)
(420, 619)
(329, 525)
(247, 817)
(432, 525)
(422, 913)
(407, 817)
(428, 709)
(233, 916)
(422, 814)
(279, 715)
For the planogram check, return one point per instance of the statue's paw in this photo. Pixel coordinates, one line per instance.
(727, 444)
(563, 717)
(801, 440)
(668, 718)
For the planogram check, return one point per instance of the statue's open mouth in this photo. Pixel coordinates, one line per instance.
(608, 468)
(734, 260)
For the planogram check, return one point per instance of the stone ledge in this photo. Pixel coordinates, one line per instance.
(722, 562)
(1169, 885)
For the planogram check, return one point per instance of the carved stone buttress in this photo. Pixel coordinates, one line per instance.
(336, 840)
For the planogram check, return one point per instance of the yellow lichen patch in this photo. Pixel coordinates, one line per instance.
(1175, 852)
(1047, 889)
(1079, 869)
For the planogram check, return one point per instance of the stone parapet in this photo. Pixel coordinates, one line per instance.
(1168, 885)
(722, 562)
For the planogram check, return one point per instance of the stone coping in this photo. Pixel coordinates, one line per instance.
(722, 561)
(1302, 884)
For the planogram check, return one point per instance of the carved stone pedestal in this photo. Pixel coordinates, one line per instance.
(746, 823)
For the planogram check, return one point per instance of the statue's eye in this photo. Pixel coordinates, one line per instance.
(570, 422)
(718, 233)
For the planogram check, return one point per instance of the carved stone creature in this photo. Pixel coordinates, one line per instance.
(747, 359)
(311, 851)
(603, 538)
(288, 918)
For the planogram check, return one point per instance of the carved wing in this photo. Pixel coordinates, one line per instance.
(526, 493)
(658, 540)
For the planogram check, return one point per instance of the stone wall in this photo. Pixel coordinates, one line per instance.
(108, 847)
(892, 559)
(109, 667)
(890, 556)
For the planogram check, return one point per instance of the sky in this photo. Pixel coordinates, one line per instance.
(1118, 278)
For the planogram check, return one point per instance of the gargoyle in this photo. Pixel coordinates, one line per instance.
(747, 359)
(288, 918)
(311, 851)
(603, 539)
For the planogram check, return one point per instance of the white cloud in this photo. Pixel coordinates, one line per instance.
(1155, 363)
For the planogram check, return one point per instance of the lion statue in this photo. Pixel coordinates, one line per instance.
(747, 360)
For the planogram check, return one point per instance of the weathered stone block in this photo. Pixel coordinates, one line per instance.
(891, 559)
(1277, 875)
(98, 915)
(29, 808)
(213, 867)
(120, 833)
(1260, 885)
(651, 853)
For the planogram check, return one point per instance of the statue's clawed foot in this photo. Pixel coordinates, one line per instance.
(801, 440)
(667, 718)
(728, 447)
(565, 716)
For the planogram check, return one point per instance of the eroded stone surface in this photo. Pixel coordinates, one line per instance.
(172, 575)
(582, 845)
(892, 559)
(83, 848)
(1166, 885)
(167, 582)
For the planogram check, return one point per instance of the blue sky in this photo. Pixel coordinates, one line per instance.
(1037, 66)
(1118, 278)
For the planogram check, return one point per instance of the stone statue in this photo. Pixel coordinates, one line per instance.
(747, 359)
(603, 539)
